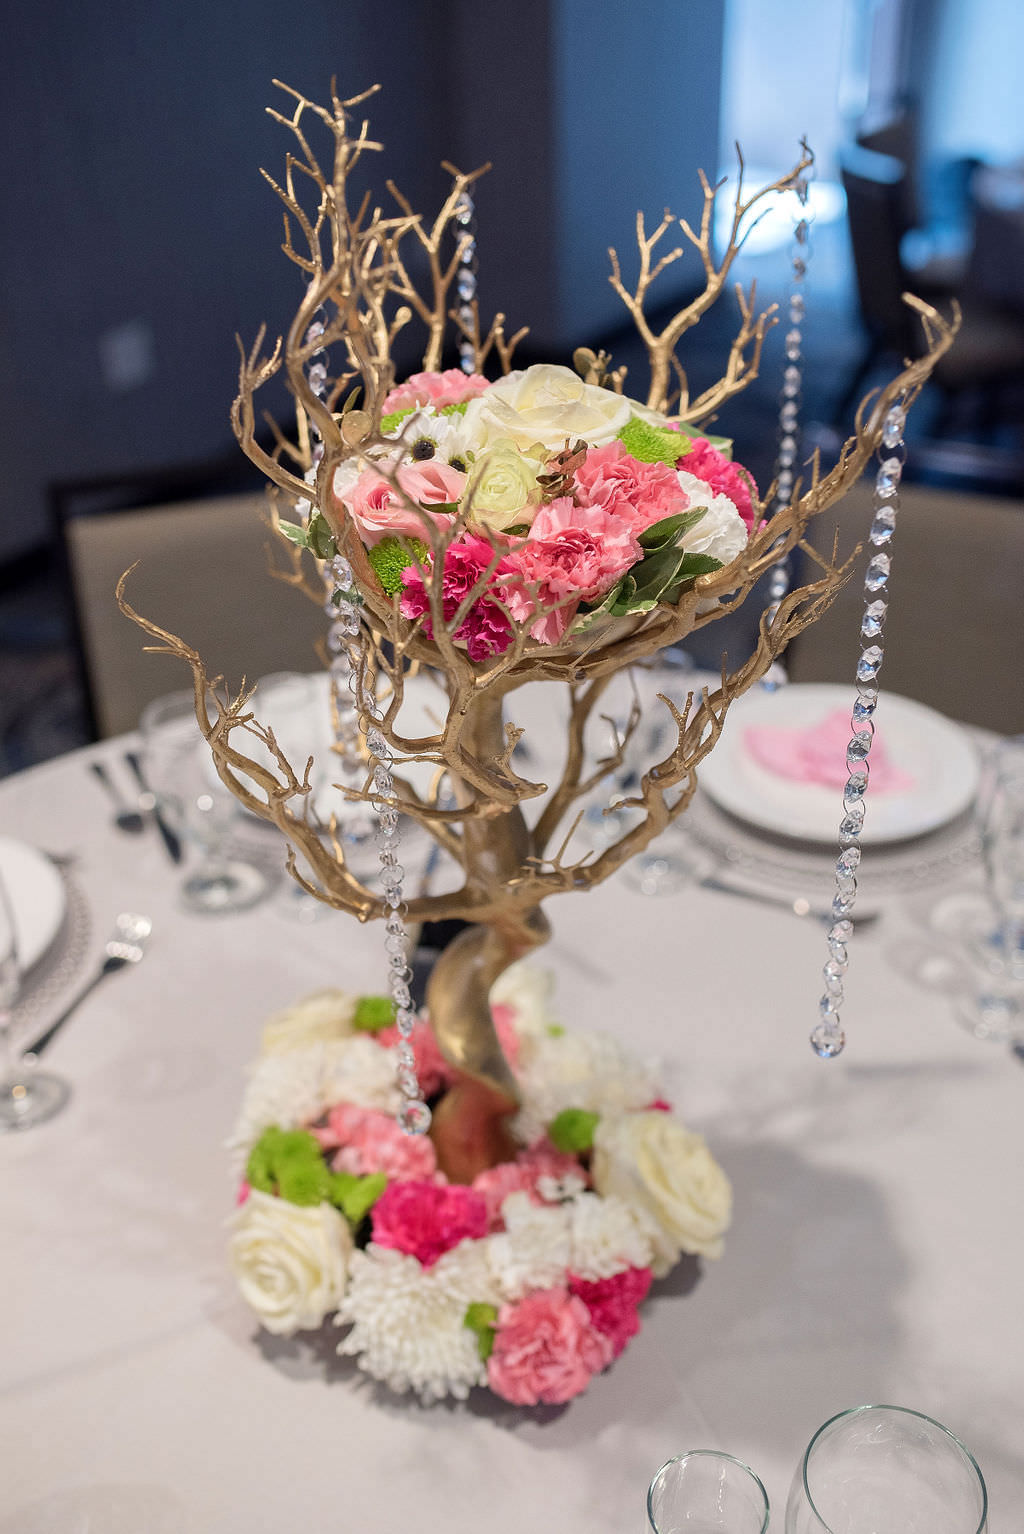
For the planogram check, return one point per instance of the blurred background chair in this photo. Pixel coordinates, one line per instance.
(987, 361)
(203, 573)
(958, 571)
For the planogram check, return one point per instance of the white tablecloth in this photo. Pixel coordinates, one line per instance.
(877, 1251)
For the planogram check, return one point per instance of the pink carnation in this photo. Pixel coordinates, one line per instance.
(522, 1176)
(710, 464)
(573, 554)
(639, 494)
(432, 1069)
(368, 1141)
(380, 512)
(451, 387)
(426, 1219)
(243, 1192)
(485, 629)
(546, 1349)
(613, 1303)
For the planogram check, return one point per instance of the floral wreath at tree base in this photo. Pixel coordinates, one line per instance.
(529, 1281)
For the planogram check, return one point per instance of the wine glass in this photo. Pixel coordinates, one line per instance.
(995, 939)
(27, 1096)
(886, 1470)
(192, 799)
(706, 1492)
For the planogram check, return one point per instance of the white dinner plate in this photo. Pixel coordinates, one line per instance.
(37, 897)
(937, 754)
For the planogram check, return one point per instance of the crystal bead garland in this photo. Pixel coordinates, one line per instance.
(827, 1037)
(350, 674)
(465, 278)
(790, 400)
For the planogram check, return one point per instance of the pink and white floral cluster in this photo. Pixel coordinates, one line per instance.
(545, 487)
(528, 1281)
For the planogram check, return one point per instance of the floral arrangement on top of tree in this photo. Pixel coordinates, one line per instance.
(543, 526)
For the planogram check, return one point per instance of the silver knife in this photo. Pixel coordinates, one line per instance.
(149, 804)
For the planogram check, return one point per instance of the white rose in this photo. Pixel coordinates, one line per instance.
(546, 404)
(290, 1262)
(721, 531)
(662, 1169)
(503, 488)
(316, 1019)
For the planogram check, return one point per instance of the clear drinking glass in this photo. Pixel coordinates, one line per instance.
(197, 805)
(706, 1492)
(886, 1470)
(996, 941)
(27, 1096)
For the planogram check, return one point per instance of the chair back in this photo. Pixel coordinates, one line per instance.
(874, 204)
(203, 574)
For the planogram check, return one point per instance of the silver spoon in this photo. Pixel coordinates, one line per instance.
(125, 819)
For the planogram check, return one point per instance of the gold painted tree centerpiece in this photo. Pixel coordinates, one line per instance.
(545, 526)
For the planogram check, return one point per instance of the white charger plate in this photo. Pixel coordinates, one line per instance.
(37, 898)
(937, 753)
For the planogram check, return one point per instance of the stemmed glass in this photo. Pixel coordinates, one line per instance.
(996, 942)
(886, 1470)
(706, 1492)
(197, 805)
(27, 1096)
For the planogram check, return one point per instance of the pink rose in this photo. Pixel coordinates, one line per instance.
(522, 1176)
(451, 387)
(725, 478)
(426, 1219)
(613, 1303)
(379, 511)
(546, 1349)
(432, 1069)
(638, 493)
(485, 630)
(573, 554)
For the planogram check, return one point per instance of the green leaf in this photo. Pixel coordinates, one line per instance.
(668, 530)
(355, 1196)
(482, 1319)
(572, 1130)
(295, 533)
(652, 444)
(373, 1013)
(320, 538)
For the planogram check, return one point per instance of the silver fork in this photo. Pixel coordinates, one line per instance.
(126, 945)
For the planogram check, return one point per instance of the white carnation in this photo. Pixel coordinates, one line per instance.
(578, 1070)
(607, 1237)
(407, 1321)
(296, 1086)
(721, 531)
(528, 992)
(534, 1249)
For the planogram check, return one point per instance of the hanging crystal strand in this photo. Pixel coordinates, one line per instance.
(414, 1114)
(790, 400)
(827, 1038)
(465, 277)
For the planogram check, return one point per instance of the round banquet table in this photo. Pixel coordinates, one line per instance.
(876, 1254)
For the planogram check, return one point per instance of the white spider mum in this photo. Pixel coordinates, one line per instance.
(407, 1321)
(578, 1070)
(606, 1237)
(534, 1249)
(296, 1086)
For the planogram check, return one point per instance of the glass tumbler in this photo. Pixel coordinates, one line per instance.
(706, 1492)
(886, 1470)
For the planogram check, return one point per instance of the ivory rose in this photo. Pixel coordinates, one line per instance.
(290, 1261)
(503, 488)
(666, 1171)
(546, 404)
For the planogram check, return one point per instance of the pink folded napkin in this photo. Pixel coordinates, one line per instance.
(818, 755)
